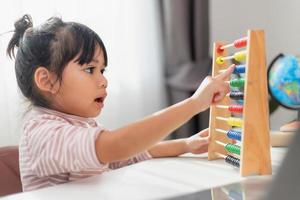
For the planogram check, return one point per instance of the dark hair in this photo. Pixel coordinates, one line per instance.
(52, 45)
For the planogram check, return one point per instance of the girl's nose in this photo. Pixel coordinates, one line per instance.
(103, 83)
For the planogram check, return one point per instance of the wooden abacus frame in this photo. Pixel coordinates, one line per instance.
(255, 158)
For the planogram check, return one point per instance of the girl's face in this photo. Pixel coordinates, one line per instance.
(83, 88)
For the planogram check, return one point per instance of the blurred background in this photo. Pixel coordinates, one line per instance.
(158, 51)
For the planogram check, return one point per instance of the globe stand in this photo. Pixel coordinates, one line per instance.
(284, 136)
(292, 126)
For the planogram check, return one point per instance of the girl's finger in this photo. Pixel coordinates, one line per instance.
(204, 133)
(226, 74)
(218, 97)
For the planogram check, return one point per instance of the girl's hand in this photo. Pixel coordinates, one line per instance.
(198, 143)
(211, 90)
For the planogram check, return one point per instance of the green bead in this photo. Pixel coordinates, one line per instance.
(237, 82)
(232, 148)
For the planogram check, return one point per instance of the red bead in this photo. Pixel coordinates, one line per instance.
(219, 50)
(236, 108)
(240, 42)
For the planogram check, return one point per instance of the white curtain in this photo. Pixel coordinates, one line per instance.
(131, 32)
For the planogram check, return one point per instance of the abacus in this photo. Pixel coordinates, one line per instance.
(239, 124)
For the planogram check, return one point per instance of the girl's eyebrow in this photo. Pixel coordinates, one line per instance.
(95, 60)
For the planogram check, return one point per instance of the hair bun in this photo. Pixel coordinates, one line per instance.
(22, 25)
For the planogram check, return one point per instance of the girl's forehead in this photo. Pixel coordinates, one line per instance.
(98, 56)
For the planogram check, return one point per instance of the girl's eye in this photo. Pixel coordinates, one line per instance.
(103, 70)
(89, 70)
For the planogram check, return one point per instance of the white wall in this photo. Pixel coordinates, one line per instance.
(230, 20)
(130, 31)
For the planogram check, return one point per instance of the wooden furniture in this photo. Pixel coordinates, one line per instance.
(10, 181)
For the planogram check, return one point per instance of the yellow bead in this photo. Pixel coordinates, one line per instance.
(235, 122)
(219, 60)
(240, 56)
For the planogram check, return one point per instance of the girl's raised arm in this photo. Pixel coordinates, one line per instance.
(139, 136)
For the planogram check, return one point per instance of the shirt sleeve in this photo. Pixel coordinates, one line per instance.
(135, 159)
(55, 146)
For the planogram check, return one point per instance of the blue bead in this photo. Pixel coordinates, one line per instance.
(235, 135)
(239, 69)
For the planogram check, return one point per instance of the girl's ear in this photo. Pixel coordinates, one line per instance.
(45, 80)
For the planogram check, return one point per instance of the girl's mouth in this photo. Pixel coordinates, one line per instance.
(99, 101)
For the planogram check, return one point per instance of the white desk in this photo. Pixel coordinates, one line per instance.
(153, 179)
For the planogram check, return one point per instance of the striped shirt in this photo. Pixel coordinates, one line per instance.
(58, 148)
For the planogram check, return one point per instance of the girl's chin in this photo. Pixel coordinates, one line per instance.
(91, 114)
(96, 113)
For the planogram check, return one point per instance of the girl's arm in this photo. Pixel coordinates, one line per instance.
(137, 137)
(196, 144)
(169, 148)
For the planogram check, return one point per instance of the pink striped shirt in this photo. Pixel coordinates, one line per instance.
(58, 148)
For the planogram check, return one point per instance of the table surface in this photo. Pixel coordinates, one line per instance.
(152, 179)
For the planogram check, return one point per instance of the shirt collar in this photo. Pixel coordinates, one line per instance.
(39, 109)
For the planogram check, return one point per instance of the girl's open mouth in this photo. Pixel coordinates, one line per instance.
(99, 100)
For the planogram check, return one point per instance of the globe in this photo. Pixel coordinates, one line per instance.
(284, 81)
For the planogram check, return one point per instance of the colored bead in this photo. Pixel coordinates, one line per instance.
(232, 121)
(220, 61)
(240, 43)
(237, 82)
(236, 108)
(232, 160)
(240, 56)
(236, 95)
(239, 69)
(232, 148)
(235, 135)
(219, 50)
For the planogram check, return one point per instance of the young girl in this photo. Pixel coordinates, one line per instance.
(59, 68)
